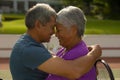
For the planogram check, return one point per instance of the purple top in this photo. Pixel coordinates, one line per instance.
(77, 51)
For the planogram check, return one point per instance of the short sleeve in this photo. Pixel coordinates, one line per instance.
(34, 56)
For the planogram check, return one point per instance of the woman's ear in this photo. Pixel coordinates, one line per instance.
(74, 29)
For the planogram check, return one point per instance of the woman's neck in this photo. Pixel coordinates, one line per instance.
(73, 43)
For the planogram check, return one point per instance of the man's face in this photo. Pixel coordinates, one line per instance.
(47, 30)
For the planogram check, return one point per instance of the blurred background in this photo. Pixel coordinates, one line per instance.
(103, 15)
(104, 9)
(102, 27)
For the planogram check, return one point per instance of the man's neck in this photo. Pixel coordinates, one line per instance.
(33, 34)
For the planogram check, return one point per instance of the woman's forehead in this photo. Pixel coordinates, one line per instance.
(60, 26)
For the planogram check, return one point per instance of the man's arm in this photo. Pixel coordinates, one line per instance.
(87, 62)
(71, 69)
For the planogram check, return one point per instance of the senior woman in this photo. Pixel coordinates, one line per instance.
(70, 28)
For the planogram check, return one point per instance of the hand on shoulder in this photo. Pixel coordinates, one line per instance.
(95, 50)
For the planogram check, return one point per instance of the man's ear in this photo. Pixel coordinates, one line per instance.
(37, 24)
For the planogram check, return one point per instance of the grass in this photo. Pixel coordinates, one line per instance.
(93, 26)
(12, 16)
(5, 74)
(13, 27)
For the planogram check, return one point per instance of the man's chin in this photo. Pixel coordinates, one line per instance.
(48, 40)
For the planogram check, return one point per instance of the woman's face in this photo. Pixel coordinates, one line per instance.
(65, 35)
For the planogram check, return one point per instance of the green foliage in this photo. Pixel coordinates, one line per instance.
(108, 9)
(77, 3)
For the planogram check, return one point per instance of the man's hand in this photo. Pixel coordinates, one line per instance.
(95, 50)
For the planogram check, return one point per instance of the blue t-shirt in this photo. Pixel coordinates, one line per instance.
(26, 56)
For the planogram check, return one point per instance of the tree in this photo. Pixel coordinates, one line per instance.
(114, 9)
(77, 3)
(110, 9)
(83, 4)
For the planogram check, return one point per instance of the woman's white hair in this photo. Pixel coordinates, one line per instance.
(70, 16)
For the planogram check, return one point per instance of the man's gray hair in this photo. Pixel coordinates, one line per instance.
(70, 16)
(42, 12)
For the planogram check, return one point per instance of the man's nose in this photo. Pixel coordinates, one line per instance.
(56, 34)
